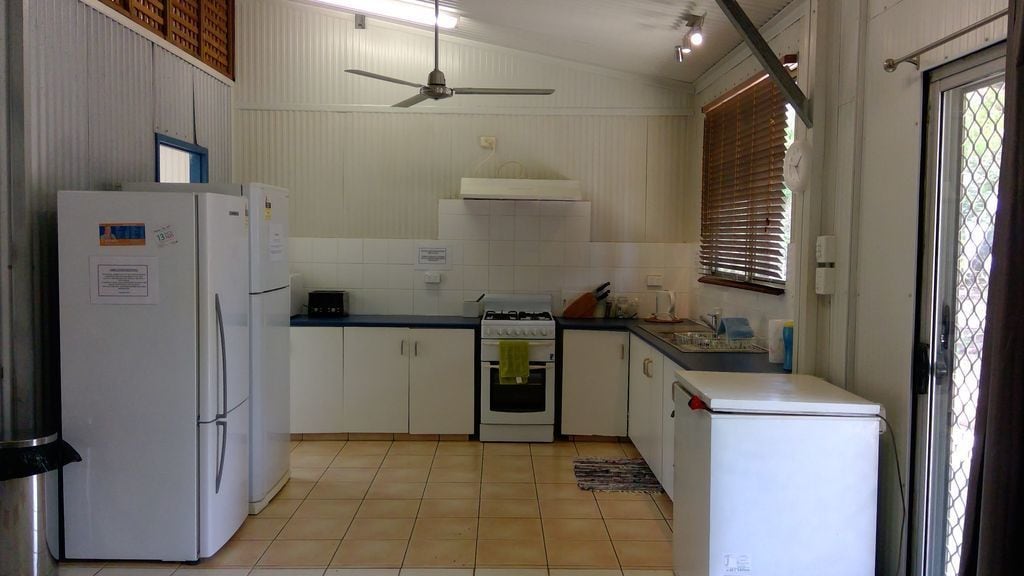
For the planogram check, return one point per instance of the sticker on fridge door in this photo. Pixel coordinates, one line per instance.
(277, 244)
(165, 236)
(124, 280)
(737, 565)
(122, 234)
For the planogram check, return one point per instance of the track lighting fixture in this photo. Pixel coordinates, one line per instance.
(679, 53)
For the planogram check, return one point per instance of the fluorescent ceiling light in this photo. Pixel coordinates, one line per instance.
(397, 10)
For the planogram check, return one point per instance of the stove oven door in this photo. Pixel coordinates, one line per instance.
(531, 402)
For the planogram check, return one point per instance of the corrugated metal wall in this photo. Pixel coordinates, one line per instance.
(213, 122)
(358, 169)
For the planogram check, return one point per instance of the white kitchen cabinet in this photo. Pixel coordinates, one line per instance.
(668, 430)
(595, 382)
(317, 399)
(442, 377)
(376, 373)
(645, 402)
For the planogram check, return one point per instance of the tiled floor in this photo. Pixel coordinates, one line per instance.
(382, 508)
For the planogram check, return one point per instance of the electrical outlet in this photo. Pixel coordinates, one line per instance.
(488, 142)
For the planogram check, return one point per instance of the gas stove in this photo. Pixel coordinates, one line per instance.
(508, 316)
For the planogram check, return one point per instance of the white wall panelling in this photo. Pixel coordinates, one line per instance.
(213, 122)
(174, 95)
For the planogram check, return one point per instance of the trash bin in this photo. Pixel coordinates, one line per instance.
(23, 464)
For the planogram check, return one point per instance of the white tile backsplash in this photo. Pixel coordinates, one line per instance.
(474, 278)
(502, 227)
(350, 276)
(527, 227)
(323, 250)
(375, 275)
(401, 252)
(350, 250)
(502, 253)
(577, 229)
(500, 278)
(400, 276)
(375, 251)
(527, 253)
(475, 252)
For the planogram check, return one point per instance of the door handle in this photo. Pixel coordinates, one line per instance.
(647, 363)
(222, 449)
(416, 348)
(622, 351)
(223, 354)
(401, 349)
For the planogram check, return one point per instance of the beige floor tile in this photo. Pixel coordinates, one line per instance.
(338, 490)
(402, 474)
(507, 474)
(553, 449)
(449, 508)
(237, 553)
(327, 509)
(307, 460)
(563, 491)
(649, 530)
(606, 495)
(553, 461)
(454, 475)
(459, 448)
(413, 448)
(349, 475)
(295, 489)
(510, 529)
(299, 553)
(569, 509)
(280, 508)
(260, 528)
(581, 554)
(395, 490)
(664, 504)
(491, 508)
(201, 571)
(647, 572)
(306, 474)
(554, 476)
(319, 446)
(407, 461)
(440, 553)
(630, 451)
(644, 554)
(388, 509)
(437, 571)
(461, 462)
(506, 448)
(258, 571)
(362, 571)
(509, 490)
(585, 572)
(314, 529)
(510, 571)
(630, 509)
(445, 529)
(600, 450)
(575, 529)
(507, 460)
(90, 568)
(344, 460)
(452, 490)
(367, 447)
(510, 553)
(115, 571)
(370, 553)
(380, 529)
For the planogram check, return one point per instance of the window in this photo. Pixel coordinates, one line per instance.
(179, 161)
(745, 206)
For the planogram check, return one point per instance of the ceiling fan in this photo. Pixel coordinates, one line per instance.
(436, 89)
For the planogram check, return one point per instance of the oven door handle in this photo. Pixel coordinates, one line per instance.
(533, 365)
(531, 343)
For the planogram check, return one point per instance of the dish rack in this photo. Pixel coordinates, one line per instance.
(707, 342)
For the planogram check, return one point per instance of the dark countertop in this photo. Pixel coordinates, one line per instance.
(388, 321)
(703, 361)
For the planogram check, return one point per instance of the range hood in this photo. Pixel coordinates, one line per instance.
(520, 189)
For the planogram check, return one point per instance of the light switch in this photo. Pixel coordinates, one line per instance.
(655, 280)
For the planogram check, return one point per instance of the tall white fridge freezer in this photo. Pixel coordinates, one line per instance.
(154, 343)
(270, 316)
(775, 475)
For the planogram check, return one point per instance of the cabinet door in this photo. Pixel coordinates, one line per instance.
(639, 396)
(595, 382)
(668, 431)
(316, 385)
(655, 456)
(377, 379)
(442, 382)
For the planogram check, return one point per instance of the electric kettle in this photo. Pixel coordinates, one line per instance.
(665, 305)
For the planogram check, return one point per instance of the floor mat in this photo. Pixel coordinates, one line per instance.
(615, 475)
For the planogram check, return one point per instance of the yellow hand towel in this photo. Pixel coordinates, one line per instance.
(513, 361)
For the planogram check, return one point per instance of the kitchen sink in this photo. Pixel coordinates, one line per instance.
(690, 336)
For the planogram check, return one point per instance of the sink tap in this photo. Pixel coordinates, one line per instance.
(712, 318)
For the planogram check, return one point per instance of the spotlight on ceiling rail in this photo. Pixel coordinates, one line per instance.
(679, 53)
(696, 25)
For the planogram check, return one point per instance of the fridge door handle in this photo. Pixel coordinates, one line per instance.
(223, 354)
(222, 449)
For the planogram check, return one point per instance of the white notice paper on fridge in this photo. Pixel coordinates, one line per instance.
(276, 244)
(124, 279)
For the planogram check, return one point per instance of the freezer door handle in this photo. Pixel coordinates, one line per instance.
(222, 448)
(223, 354)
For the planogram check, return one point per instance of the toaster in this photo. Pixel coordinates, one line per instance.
(327, 303)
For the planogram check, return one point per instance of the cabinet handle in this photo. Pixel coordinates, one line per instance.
(416, 348)
(647, 363)
(622, 351)
(401, 350)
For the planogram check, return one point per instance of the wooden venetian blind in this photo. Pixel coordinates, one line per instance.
(742, 201)
(203, 28)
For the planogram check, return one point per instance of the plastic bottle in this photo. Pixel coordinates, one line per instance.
(787, 342)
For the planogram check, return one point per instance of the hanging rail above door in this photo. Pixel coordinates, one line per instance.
(914, 57)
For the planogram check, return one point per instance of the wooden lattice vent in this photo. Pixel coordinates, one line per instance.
(203, 28)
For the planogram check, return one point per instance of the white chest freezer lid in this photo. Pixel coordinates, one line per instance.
(773, 394)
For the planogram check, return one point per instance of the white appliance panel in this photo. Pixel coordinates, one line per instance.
(773, 394)
(270, 396)
(268, 237)
(223, 452)
(129, 402)
(223, 276)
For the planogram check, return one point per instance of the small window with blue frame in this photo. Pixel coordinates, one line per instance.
(180, 161)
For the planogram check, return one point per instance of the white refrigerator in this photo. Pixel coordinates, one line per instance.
(154, 345)
(775, 475)
(270, 317)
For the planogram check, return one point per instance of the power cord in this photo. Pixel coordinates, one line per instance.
(476, 169)
(903, 498)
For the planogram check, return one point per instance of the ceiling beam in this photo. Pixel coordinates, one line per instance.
(768, 59)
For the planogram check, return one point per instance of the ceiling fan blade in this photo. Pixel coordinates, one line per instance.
(505, 91)
(384, 78)
(411, 101)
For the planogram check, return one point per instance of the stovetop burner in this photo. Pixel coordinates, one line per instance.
(514, 315)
